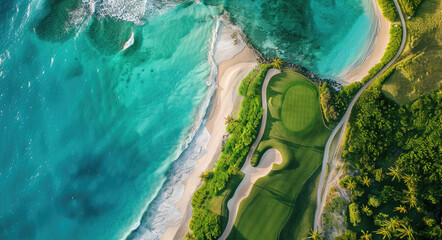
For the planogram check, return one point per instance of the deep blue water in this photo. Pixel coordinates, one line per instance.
(97, 99)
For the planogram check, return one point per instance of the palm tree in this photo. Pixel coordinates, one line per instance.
(314, 235)
(406, 231)
(229, 119)
(384, 232)
(409, 179)
(395, 172)
(401, 209)
(411, 200)
(365, 235)
(277, 63)
(351, 185)
(366, 181)
(392, 224)
(189, 236)
(367, 210)
(233, 170)
(428, 221)
(411, 190)
(203, 176)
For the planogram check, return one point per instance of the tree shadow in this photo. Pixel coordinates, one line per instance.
(235, 234)
(277, 195)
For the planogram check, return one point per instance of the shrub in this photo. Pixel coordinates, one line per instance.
(355, 215)
(348, 235)
(388, 10)
(373, 201)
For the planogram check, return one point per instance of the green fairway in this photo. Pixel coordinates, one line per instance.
(299, 107)
(285, 200)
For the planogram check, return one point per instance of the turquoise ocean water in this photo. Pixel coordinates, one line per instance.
(99, 98)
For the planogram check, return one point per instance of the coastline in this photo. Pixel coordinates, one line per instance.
(234, 63)
(379, 46)
(233, 60)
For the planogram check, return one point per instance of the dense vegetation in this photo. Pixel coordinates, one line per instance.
(397, 152)
(414, 76)
(334, 103)
(275, 208)
(206, 224)
(410, 6)
(388, 10)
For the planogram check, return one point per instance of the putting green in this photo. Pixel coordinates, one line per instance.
(300, 107)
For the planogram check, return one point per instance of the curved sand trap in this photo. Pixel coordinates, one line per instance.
(252, 174)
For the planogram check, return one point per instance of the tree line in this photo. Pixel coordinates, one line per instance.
(243, 131)
(388, 10)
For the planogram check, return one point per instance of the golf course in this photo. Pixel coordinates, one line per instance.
(284, 197)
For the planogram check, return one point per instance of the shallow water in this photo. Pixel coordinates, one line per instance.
(326, 36)
(98, 98)
(88, 133)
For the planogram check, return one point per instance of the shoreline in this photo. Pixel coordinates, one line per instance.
(232, 68)
(379, 46)
(232, 60)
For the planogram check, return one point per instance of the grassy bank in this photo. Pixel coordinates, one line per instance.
(276, 197)
(209, 201)
(419, 68)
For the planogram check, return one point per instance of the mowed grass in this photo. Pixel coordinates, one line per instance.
(300, 222)
(284, 199)
(298, 108)
(419, 69)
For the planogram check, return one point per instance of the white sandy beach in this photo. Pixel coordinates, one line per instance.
(232, 69)
(375, 56)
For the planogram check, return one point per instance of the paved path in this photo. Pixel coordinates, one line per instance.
(340, 128)
(242, 191)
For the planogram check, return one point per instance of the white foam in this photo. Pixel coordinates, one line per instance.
(159, 7)
(228, 43)
(129, 42)
(123, 10)
(79, 17)
(162, 212)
